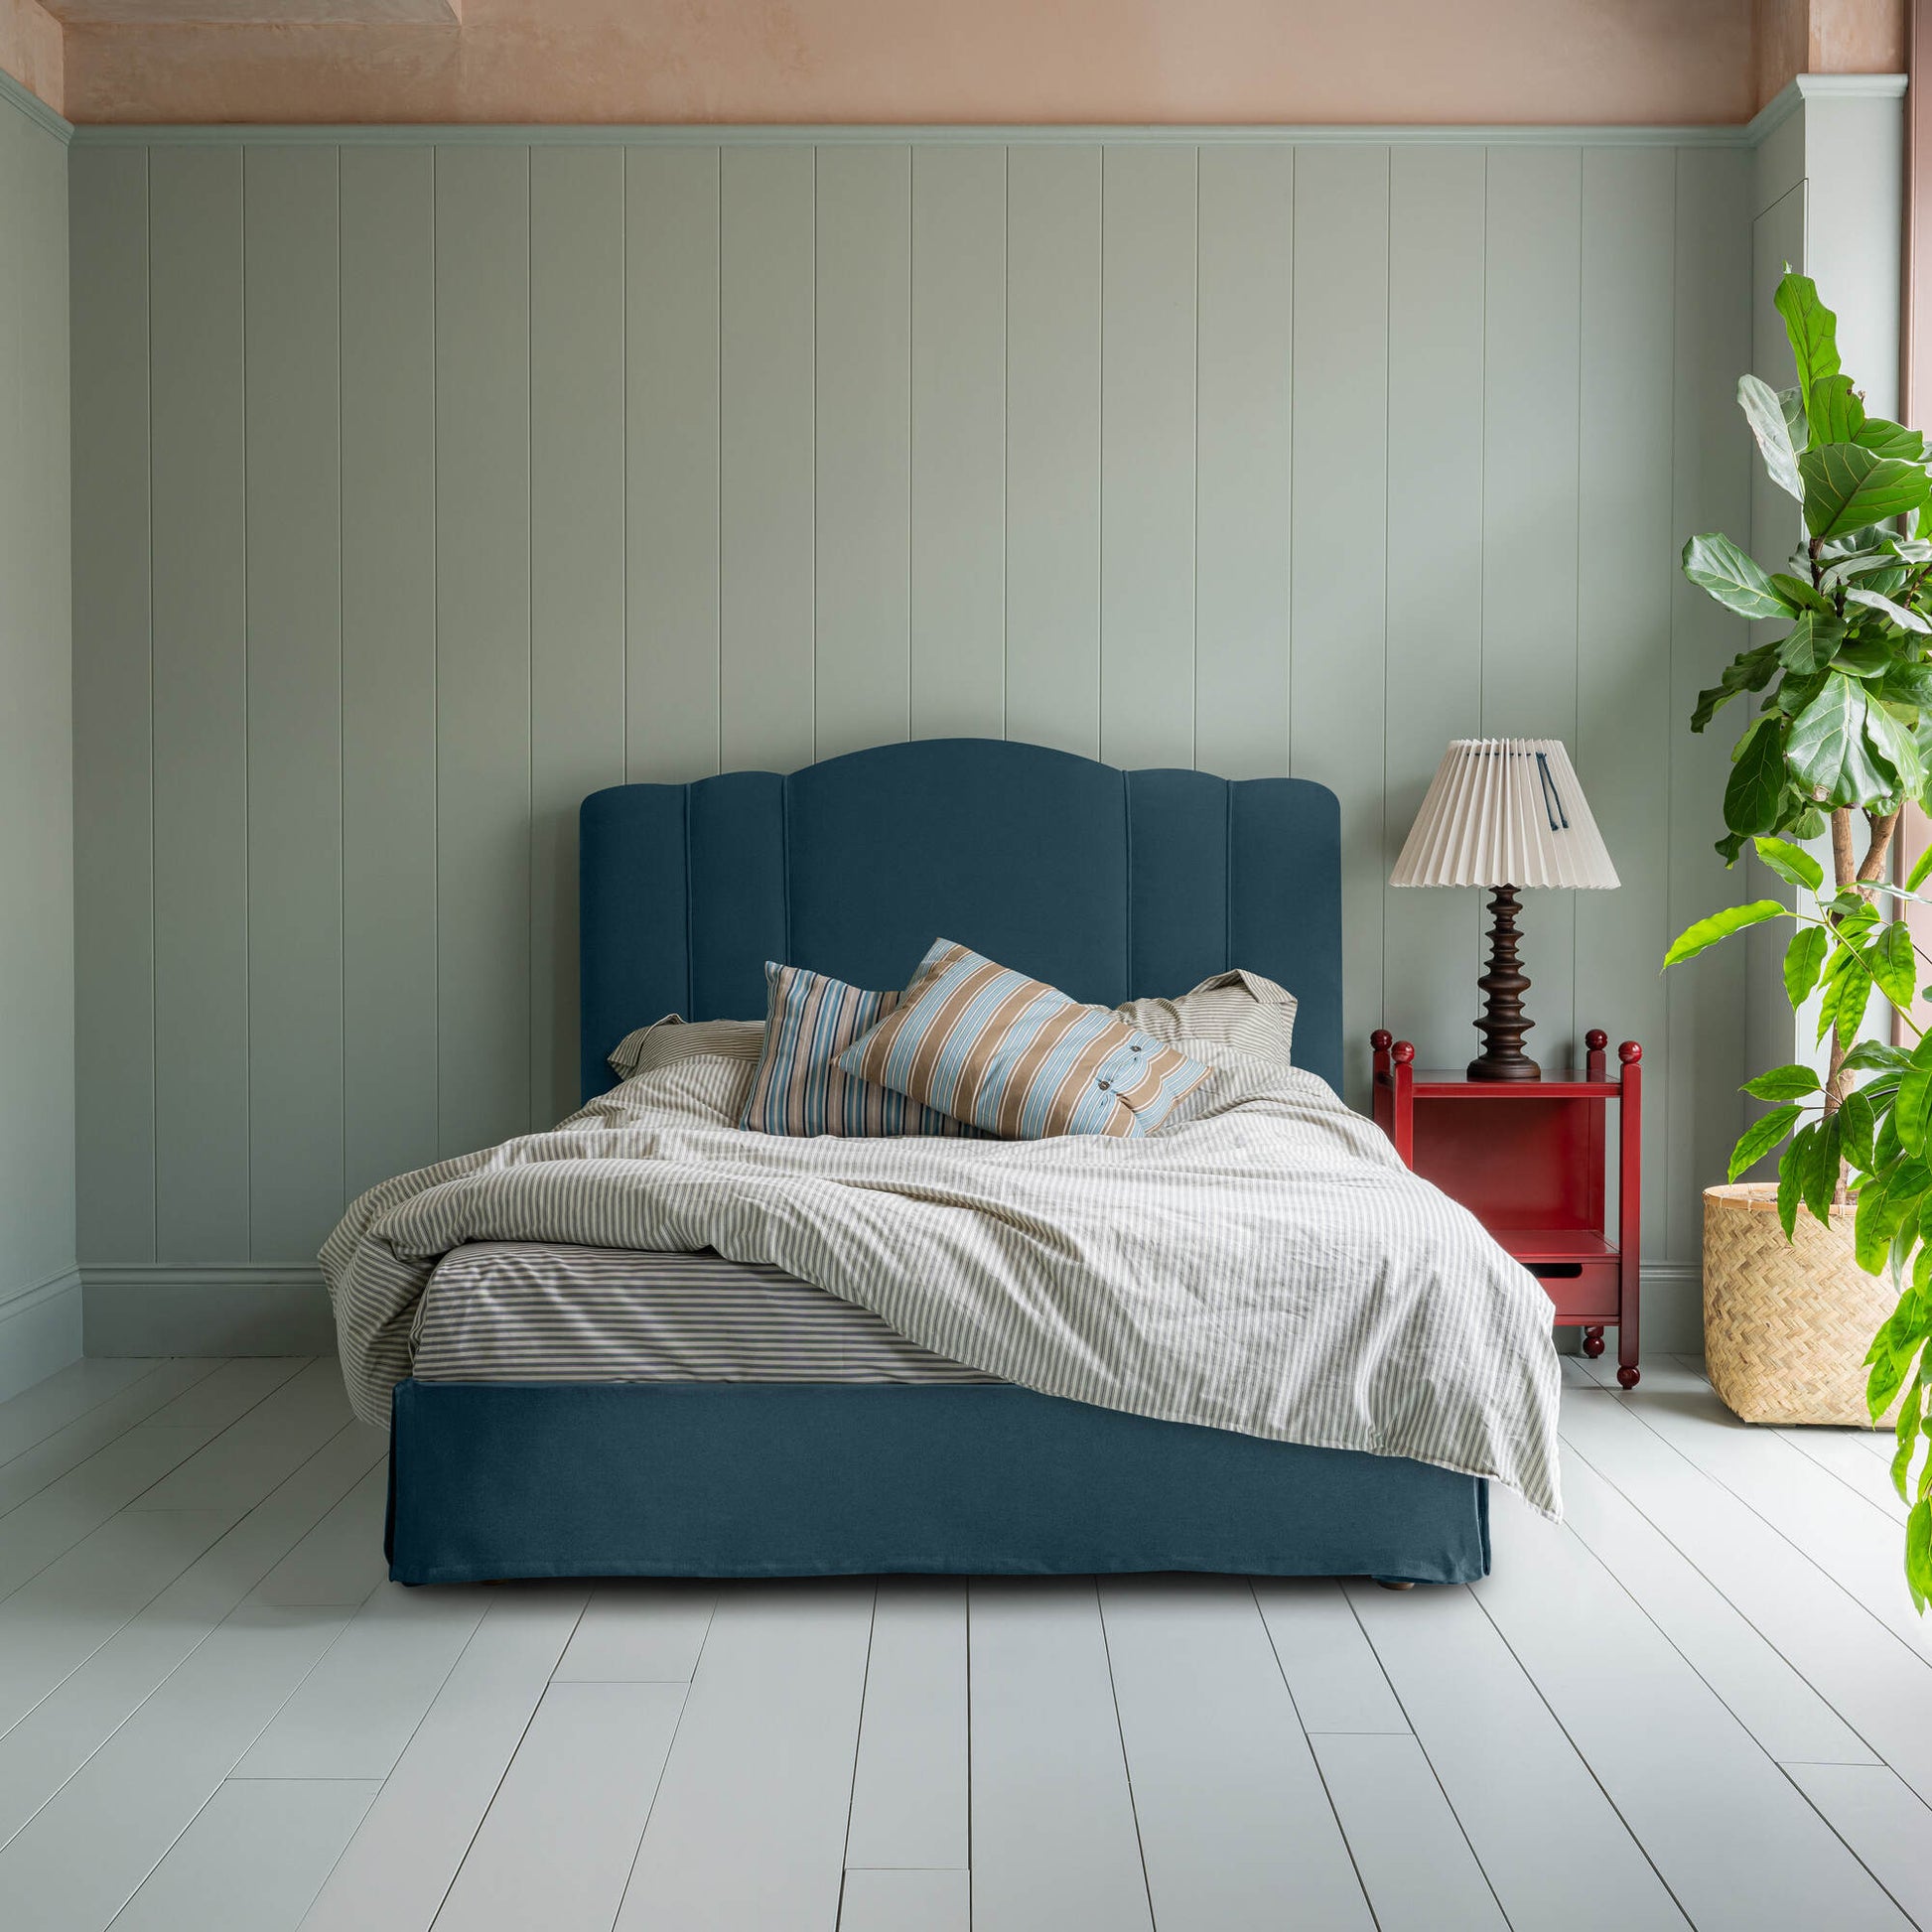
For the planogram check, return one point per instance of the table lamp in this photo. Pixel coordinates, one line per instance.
(1507, 814)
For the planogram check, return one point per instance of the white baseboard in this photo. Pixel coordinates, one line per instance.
(39, 1332)
(137, 1308)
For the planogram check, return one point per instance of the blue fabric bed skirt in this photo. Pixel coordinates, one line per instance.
(737, 1480)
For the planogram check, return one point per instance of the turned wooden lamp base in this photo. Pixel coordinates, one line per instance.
(1503, 1023)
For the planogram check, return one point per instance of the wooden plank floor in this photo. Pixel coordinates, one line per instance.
(1703, 1700)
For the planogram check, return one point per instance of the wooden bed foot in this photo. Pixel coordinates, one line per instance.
(1593, 1342)
(1628, 1375)
(1395, 1582)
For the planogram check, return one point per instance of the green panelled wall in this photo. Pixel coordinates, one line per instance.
(40, 1291)
(428, 488)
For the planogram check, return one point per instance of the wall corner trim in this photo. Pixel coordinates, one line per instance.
(35, 108)
(1818, 87)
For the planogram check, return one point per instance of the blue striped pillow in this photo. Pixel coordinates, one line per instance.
(1016, 1057)
(798, 1086)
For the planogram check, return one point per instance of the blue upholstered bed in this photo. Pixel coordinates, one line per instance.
(1108, 883)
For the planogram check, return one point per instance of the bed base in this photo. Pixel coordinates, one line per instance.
(492, 1481)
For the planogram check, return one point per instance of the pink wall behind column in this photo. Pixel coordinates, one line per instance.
(30, 49)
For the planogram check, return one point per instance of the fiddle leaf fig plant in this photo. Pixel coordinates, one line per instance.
(1840, 743)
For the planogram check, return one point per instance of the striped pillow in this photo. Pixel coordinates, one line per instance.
(1242, 1010)
(1016, 1057)
(798, 1086)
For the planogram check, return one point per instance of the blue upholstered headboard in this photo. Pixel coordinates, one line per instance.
(1111, 884)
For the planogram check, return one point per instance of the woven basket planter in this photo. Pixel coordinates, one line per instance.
(1786, 1324)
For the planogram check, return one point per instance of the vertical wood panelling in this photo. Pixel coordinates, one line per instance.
(1149, 198)
(388, 458)
(1711, 481)
(577, 568)
(482, 643)
(1338, 618)
(659, 460)
(959, 415)
(1625, 726)
(1243, 440)
(37, 1088)
(294, 670)
(1053, 447)
(1531, 527)
(765, 455)
(112, 776)
(200, 712)
(1436, 608)
(671, 463)
(863, 270)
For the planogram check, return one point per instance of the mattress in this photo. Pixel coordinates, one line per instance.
(529, 1312)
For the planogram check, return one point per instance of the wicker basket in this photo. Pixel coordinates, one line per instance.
(1786, 1324)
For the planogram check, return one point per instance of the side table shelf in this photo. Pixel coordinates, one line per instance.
(1528, 1158)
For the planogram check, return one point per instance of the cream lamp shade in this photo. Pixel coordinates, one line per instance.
(1504, 811)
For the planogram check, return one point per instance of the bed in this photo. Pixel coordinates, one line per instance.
(1108, 883)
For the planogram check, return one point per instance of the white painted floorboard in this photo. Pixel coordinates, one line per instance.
(1693, 1703)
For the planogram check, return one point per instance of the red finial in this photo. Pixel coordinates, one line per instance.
(1629, 1053)
(1381, 1039)
(1596, 1040)
(1405, 1052)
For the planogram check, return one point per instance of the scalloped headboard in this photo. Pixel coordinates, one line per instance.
(1110, 885)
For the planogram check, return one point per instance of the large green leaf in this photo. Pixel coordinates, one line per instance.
(1883, 1201)
(1821, 1169)
(1827, 747)
(1791, 862)
(1894, 965)
(1811, 641)
(1800, 591)
(1892, 744)
(1860, 564)
(1756, 786)
(1793, 1165)
(1835, 412)
(1857, 1124)
(1804, 960)
(1848, 487)
(1918, 1551)
(1720, 925)
(1811, 329)
(1791, 1082)
(1906, 620)
(1921, 866)
(1760, 1137)
(1769, 424)
(1715, 564)
(1890, 439)
(1913, 1110)
(1752, 670)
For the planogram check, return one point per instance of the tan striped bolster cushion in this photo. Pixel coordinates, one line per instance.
(1016, 1058)
(800, 1086)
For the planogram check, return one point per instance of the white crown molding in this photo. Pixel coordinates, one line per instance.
(696, 134)
(35, 108)
(1818, 87)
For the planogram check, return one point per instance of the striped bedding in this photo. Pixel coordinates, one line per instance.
(1264, 1263)
(545, 1311)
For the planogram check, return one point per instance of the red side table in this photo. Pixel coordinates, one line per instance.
(1527, 1159)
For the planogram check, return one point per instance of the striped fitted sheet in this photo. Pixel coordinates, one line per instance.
(542, 1311)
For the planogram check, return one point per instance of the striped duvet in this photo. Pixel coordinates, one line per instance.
(1263, 1263)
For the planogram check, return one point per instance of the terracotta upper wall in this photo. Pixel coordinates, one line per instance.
(29, 50)
(941, 61)
(945, 60)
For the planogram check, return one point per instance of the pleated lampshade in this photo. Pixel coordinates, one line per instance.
(1504, 811)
